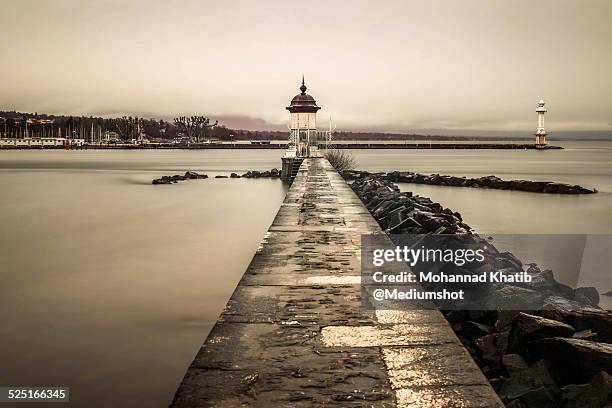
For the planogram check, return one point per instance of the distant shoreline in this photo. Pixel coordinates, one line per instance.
(278, 146)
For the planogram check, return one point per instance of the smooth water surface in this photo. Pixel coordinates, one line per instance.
(110, 284)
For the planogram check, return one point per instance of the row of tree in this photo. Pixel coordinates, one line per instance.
(193, 128)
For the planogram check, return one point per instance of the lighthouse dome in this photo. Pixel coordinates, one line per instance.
(303, 99)
(303, 102)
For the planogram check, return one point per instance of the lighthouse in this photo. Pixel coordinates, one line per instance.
(303, 135)
(540, 134)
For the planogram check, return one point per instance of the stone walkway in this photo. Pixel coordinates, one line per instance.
(294, 333)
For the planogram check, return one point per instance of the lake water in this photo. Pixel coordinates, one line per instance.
(110, 284)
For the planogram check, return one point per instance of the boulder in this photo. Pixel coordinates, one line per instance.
(527, 328)
(581, 318)
(510, 297)
(161, 181)
(194, 175)
(234, 175)
(513, 363)
(523, 380)
(561, 304)
(588, 295)
(540, 397)
(596, 394)
(573, 360)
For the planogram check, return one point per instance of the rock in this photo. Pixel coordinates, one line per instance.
(527, 328)
(573, 360)
(518, 384)
(588, 295)
(194, 175)
(523, 379)
(177, 177)
(275, 173)
(597, 320)
(540, 397)
(161, 181)
(509, 297)
(542, 370)
(556, 304)
(234, 175)
(596, 394)
(514, 363)
(220, 176)
(586, 335)
(169, 179)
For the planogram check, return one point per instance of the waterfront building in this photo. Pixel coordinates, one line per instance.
(40, 142)
(540, 134)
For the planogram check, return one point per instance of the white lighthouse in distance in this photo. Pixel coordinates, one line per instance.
(540, 134)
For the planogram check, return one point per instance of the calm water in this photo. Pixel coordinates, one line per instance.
(110, 284)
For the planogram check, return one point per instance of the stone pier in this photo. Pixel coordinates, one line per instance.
(294, 333)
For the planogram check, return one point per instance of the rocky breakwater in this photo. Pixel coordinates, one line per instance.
(192, 175)
(189, 175)
(492, 182)
(402, 213)
(554, 353)
(274, 173)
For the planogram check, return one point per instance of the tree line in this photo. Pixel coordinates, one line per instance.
(195, 128)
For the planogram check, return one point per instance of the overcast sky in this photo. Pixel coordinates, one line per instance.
(389, 65)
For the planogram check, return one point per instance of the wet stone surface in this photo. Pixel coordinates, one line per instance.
(294, 333)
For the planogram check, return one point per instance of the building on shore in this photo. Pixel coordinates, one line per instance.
(41, 142)
(540, 133)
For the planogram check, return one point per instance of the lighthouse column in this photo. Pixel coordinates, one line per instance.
(540, 134)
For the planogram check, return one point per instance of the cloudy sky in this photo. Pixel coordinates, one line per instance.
(389, 65)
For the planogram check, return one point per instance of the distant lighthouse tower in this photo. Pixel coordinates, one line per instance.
(540, 134)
